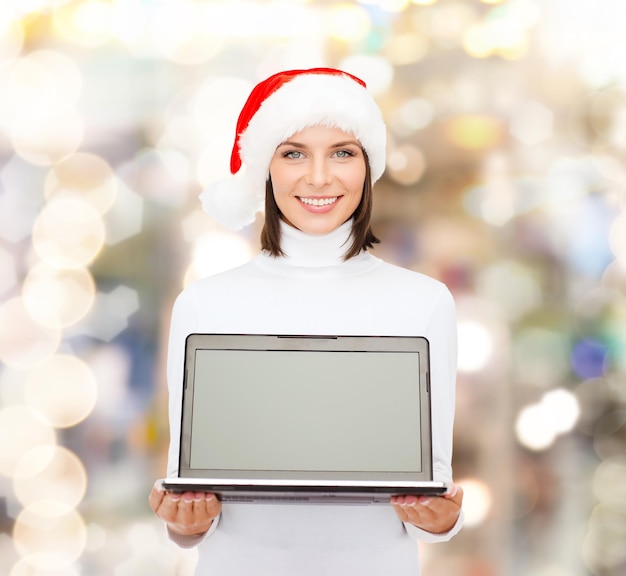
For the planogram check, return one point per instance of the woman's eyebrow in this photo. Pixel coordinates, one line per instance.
(336, 145)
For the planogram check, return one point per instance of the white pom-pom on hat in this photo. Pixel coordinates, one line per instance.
(276, 109)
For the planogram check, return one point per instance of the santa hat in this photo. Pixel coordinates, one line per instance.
(276, 109)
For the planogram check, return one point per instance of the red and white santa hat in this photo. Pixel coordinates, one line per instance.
(276, 109)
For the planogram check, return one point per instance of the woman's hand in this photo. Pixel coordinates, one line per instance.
(187, 514)
(435, 514)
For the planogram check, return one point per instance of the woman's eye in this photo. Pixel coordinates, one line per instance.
(343, 153)
(293, 154)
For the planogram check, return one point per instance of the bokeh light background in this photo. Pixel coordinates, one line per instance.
(506, 179)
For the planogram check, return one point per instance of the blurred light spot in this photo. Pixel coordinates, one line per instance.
(96, 537)
(548, 569)
(403, 49)
(610, 167)
(26, 430)
(562, 408)
(501, 197)
(227, 20)
(36, 88)
(474, 132)
(181, 132)
(449, 21)
(604, 547)
(69, 233)
(411, 116)
(196, 225)
(86, 176)
(594, 397)
(8, 273)
(540, 357)
(19, 8)
(589, 358)
(617, 236)
(179, 33)
(63, 390)
(21, 201)
(502, 32)
(424, 2)
(58, 298)
(476, 41)
(24, 342)
(215, 107)
(125, 218)
(406, 164)
(375, 71)
(111, 365)
(348, 22)
(531, 123)
(608, 482)
(87, 23)
(393, 5)
(148, 175)
(512, 287)
(214, 110)
(475, 346)
(538, 425)
(11, 37)
(48, 536)
(609, 434)
(607, 109)
(48, 140)
(579, 220)
(216, 252)
(109, 316)
(50, 473)
(476, 501)
(533, 429)
(25, 568)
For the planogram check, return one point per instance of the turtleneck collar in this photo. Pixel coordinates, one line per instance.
(308, 253)
(302, 249)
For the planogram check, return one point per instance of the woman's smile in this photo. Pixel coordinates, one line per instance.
(317, 203)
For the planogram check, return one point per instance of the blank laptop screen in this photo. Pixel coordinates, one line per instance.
(306, 410)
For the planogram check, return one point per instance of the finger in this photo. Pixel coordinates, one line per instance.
(213, 505)
(168, 510)
(156, 496)
(185, 510)
(455, 494)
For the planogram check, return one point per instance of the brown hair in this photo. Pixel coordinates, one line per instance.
(361, 233)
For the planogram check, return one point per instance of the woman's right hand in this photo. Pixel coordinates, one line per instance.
(187, 514)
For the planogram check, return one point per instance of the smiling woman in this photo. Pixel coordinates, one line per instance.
(310, 144)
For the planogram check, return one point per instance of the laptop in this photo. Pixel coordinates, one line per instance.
(311, 419)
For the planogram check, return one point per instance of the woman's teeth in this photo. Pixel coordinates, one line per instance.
(319, 201)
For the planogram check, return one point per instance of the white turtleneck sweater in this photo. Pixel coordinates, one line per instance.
(313, 291)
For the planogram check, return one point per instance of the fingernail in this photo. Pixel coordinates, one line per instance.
(175, 497)
(208, 497)
(424, 501)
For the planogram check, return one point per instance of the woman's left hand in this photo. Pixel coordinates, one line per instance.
(435, 514)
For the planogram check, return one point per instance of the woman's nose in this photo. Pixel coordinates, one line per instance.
(318, 173)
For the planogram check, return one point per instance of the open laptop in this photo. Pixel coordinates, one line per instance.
(325, 419)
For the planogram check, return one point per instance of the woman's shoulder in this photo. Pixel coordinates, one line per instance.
(220, 282)
(410, 278)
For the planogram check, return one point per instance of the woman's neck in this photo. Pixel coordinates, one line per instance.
(302, 249)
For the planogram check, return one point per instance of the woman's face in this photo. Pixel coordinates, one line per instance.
(317, 176)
